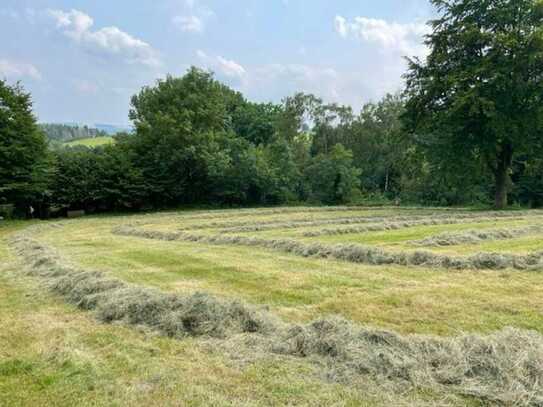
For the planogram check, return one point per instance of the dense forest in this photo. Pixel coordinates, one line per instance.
(465, 131)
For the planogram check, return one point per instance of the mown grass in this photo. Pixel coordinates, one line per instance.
(401, 238)
(52, 354)
(406, 299)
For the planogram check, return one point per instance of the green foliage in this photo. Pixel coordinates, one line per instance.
(101, 178)
(233, 171)
(24, 162)
(478, 96)
(378, 149)
(255, 122)
(332, 177)
(528, 181)
(176, 124)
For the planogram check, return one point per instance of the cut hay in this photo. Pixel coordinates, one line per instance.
(476, 236)
(503, 368)
(115, 300)
(430, 221)
(354, 253)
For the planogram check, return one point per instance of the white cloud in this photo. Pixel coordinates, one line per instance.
(221, 65)
(340, 24)
(324, 82)
(275, 81)
(391, 37)
(77, 26)
(194, 17)
(189, 23)
(17, 70)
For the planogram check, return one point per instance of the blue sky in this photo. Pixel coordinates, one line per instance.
(83, 60)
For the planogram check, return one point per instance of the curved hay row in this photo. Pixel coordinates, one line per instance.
(258, 225)
(266, 226)
(237, 213)
(396, 220)
(353, 252)
(476, 236)
(459, 219)
(115, 300)
(502, 368)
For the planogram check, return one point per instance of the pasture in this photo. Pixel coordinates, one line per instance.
(341, 306)
(91, 141)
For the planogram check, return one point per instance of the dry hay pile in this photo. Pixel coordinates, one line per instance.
(354, 253)
(476, 236)
(115, 300)
(502, 368)
(263, 226)
(428, 221)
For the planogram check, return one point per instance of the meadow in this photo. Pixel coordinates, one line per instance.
(341, 306)
(91, 141)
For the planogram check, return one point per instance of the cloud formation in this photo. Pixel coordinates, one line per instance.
(391, 37)
(195, 17)
(77, 26)
(275, 81)
(189, 23)
(221, 65)
(18, 70)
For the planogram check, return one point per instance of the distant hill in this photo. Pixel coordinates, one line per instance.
(71, 132)
(91, 141)
(63, 133)
(113, 129)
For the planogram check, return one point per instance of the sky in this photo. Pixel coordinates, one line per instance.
(83, 60)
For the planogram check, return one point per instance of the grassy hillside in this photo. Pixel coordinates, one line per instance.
(267, 273)
(91, 142)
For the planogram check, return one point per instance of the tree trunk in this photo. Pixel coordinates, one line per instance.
(501, 174)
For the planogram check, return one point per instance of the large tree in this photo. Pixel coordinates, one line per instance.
(23, 149)
(177, 124)
(478, 95)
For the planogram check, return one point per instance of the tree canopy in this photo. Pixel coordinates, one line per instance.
(23, 148)
(478, 95)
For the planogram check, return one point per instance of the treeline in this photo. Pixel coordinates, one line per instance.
(64, 132)
(196, 141)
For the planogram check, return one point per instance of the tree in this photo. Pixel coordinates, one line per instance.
(278, 173)
(377, 146)
(478, 96)
(332, 177)
(255, 121)
(23, 149)
(176, 124)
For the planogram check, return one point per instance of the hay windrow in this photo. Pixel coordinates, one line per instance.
(222, 214)
(392, 222)
(354, 253)
(503, 368)
(381, 227)
(476, 236)
(115, 300)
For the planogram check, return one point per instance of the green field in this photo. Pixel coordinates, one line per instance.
(87, 315)
(91, 141)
